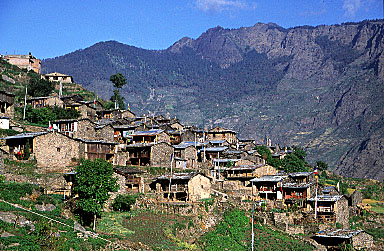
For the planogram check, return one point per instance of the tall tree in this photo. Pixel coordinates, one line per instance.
(118, 81)
(93, 182)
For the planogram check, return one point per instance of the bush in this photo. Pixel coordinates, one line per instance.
(123, 203)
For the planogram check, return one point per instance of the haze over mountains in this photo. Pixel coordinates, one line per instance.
(318, 87)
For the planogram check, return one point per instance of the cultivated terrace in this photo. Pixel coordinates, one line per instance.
(81, 173)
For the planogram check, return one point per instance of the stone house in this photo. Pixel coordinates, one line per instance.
(7, 101)
(122, 133)
(151, 154)
(105, 133)
(56, 152)
(358, 239)
(28, 62)
(219, 133)
(189, 187)
(188, 153)
(57, 77)
(218, 143)
(249, 171)
(355, 199)
(331, 209)
(39, 102)
(269, 187)
(76, 128)
(151, 136)
(133, 180)
(175, 137)
(188, 136)
(97, 149)
(177, 126)
(21, 145)
(212, 153)
(114, 114)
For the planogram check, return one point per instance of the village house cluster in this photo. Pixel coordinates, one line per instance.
(204, 162)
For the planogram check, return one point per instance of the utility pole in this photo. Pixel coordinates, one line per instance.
(25, 101)
(253, 233)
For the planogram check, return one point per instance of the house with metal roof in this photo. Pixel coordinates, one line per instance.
(147, 154)
(357, 239)
(150, 136)
(188, 187)
(330, 208)
(219, 133)
(269, 187)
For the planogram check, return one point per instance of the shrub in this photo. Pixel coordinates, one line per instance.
(124, 202)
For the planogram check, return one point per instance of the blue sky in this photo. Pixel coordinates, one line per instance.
(53, 28)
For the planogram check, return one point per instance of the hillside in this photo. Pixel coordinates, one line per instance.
(317, 87)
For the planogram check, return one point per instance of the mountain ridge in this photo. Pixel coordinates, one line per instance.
(317, 87)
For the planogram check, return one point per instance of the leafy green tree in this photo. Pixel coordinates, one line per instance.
(40, 87)
(45, 114)
(264, 152)
(93, 182)
(124, 202)
(118, 81)
(321, 165)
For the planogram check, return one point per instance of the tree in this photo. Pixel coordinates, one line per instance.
(321, 165)
(118, 81)
(40, 87)
(93, 183)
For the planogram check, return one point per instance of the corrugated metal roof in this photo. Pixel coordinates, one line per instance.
(326, 197)
(300, 174)
(147, 133)
(269, 178)
(338, 233)
(217, 141)
(25, 135)
(178, 176)
(216, 149)
(296, 185)
(140, 145)
(224, 160)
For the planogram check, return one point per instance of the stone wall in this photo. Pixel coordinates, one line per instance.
(161, 155)
(342, 212)
(265, 170)
(85, 130)
(164, 137)
(199, 187)
(121, 158)
(190, 154)
(54, 152)
(105, 134)
(362, 241)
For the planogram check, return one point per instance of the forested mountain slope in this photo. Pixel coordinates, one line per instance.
(317, 87)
